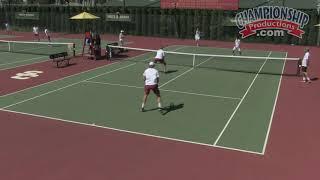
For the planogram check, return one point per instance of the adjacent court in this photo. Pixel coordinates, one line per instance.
(3, 36)
(208, 100)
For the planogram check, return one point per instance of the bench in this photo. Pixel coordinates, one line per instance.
(59, 58)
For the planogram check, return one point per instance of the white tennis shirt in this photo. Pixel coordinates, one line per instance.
(237, 43)
(121, 36)
(46, 32)
(35, 30)
(160, 54)
(151, 76)
(197, 35)
(305, 59)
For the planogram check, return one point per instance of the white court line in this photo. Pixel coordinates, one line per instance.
(36, 62)
(184, 73)
(112, 84)
(129, 132)
(176, 77)
(274, 108)
(200, 94)
(167, 90)
(22, 50)
(77, 73)
(49, 92)
(16, 62)
(130, 42)
(11, 36)
(247, 50)
(237, 149)
(239, 104)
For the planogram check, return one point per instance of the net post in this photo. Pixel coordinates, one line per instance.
(108, 52)
(74, 49)
(194, 60)
(318, 11)
(299, 62)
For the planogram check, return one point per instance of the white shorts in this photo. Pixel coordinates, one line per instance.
(197, 37)
(121, 43)
(236, 48)
(304, 63)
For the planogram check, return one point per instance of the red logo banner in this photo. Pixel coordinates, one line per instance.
(291, 27)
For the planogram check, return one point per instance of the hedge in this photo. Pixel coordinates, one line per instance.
(176, 23)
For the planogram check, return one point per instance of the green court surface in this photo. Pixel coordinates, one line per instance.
(29, 53)
(222, 102)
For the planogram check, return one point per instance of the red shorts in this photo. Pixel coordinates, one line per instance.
(154, 88)
(304, 69)
(36, 34)
(161, 61)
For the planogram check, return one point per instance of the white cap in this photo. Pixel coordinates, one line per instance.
(151, 63)
(121, 31)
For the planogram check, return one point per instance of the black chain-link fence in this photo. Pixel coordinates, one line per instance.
(213, 24)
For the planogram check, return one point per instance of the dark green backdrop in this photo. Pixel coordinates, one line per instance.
(148, 21)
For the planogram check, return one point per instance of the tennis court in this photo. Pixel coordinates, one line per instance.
(29, 52)
(221, 102)
(19, 53)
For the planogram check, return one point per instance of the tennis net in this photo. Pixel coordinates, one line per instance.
(37, 48)
(273, 62)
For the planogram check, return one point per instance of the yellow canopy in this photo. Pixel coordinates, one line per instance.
(84, 15)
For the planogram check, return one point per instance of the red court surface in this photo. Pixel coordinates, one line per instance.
(34, 148)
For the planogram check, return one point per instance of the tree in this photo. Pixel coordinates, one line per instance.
(213, 25)
(183, 24)
(204, 24)
(163, 23)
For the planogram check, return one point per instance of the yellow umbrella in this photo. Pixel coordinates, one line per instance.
(84, 15)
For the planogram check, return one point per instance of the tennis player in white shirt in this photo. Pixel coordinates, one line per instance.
(121, 38)
(46, 32)
(236, 46)
(304, 66)
(160, 59)
(7, 27)
(35, 31)
(151, 81)
(197, 36)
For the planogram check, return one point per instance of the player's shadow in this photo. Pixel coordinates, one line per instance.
(171, 107)
(171, 71)
(153, 109)
(315, 79)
